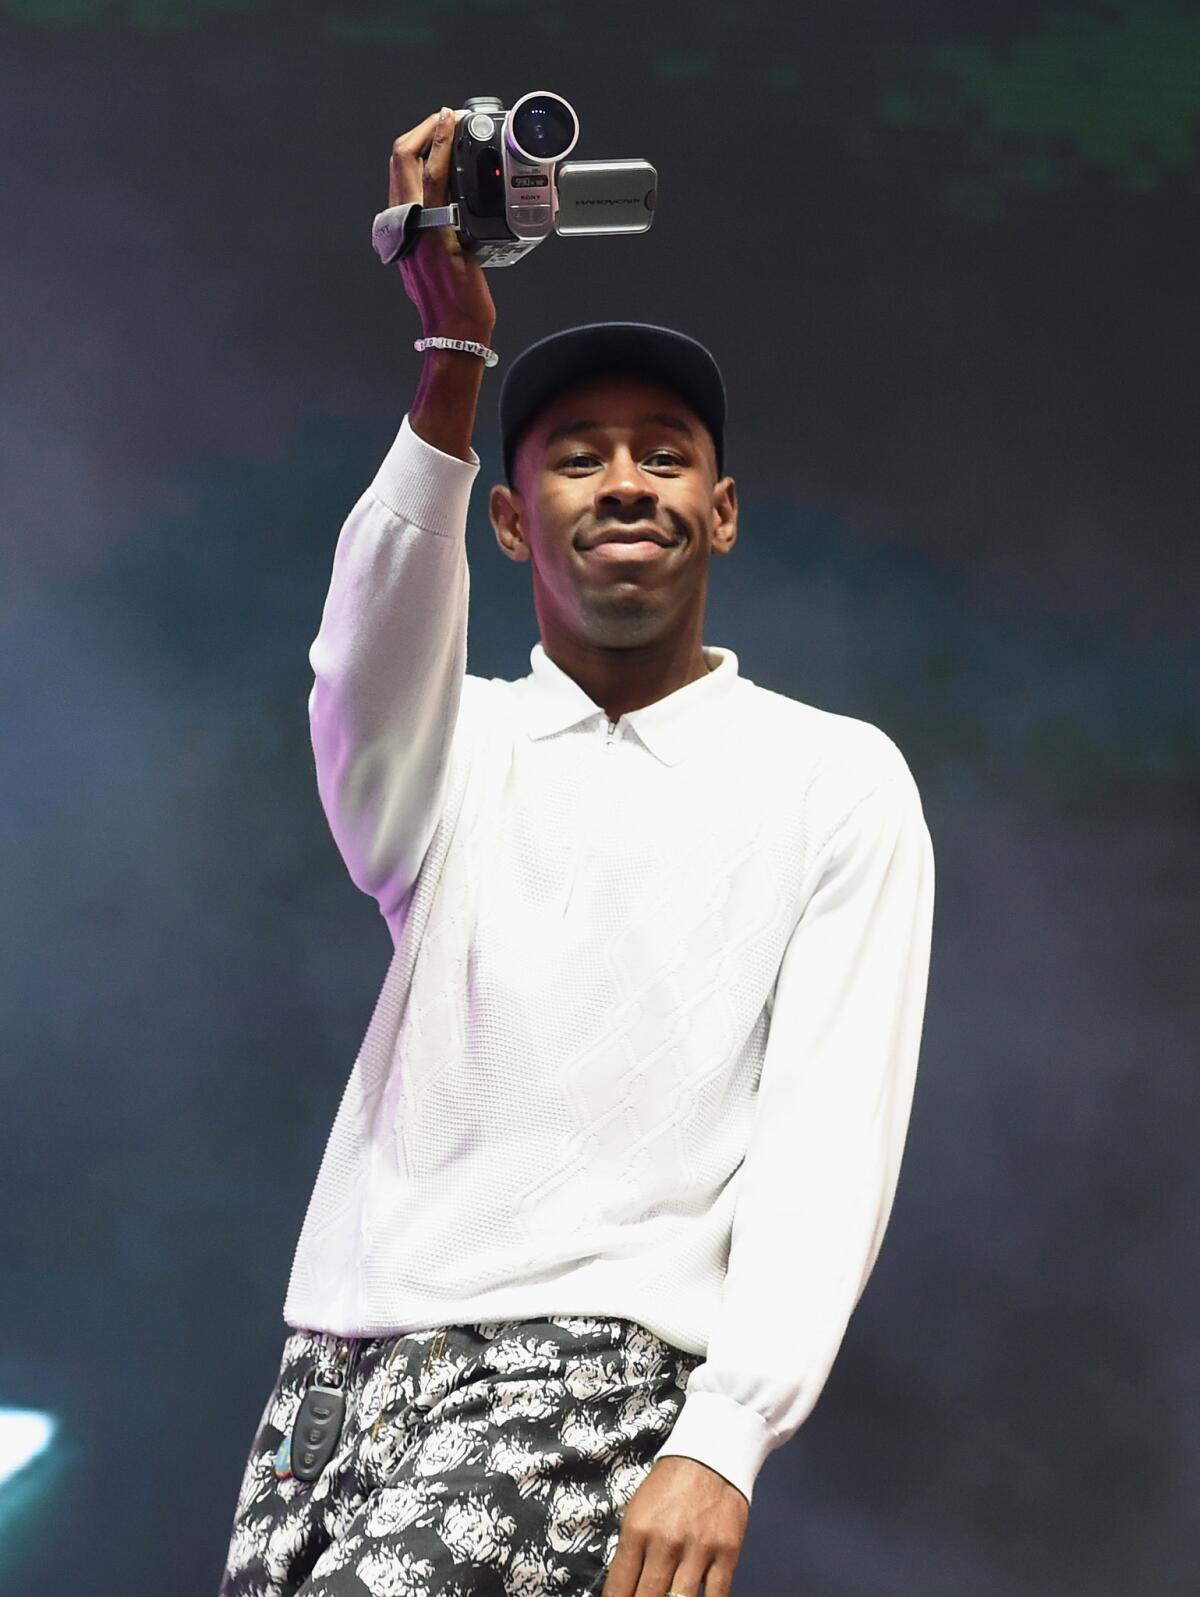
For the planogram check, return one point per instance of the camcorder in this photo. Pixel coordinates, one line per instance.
(510, 185)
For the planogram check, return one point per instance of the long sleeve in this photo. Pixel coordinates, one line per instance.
(823, 1159)
(389, 662)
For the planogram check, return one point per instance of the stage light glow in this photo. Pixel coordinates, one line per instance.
(24, 1434)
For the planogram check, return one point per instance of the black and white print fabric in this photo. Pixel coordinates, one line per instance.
(489, 1460)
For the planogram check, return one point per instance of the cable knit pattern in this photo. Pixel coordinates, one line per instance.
(648, 1040)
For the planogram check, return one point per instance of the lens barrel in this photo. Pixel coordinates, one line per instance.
(542, 127)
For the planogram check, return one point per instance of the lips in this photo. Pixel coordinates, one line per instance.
(639, 534)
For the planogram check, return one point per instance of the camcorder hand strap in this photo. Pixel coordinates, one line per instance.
(394, 234)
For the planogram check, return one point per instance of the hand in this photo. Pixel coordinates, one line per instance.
(443, 280)
(684, 1524)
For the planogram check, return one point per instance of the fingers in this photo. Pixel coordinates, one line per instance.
(437, 167)
(420, 164)
(405, 169)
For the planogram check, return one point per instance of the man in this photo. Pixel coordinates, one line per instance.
(618, 1152)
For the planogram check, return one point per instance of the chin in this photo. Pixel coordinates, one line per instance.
(624, 621)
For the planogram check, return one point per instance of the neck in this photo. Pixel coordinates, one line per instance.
(620, 680)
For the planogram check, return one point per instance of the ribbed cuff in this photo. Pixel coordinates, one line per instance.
(728, 1437)
(425, 486)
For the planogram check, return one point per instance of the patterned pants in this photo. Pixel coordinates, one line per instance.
(489, 1460)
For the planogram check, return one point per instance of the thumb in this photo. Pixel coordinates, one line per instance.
(436, 180)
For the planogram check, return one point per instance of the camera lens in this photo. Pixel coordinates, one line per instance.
(543, 127)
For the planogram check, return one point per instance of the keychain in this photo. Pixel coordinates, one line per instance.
(315, 1433)
(305, 1453)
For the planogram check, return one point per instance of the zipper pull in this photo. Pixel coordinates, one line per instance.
(612, 733)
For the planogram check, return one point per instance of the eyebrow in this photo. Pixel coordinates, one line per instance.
(572, 427)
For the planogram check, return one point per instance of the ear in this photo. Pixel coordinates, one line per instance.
(724, 516)
(506, 509)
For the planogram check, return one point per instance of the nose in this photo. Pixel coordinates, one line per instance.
(621, 485)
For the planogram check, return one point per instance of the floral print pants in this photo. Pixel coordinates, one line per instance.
(490, 1460)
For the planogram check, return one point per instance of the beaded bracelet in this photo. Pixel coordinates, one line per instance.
(489, 356)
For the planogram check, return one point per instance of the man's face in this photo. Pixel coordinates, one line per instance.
(615, 455)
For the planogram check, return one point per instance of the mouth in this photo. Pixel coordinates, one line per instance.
(626, 552)
(636, 542)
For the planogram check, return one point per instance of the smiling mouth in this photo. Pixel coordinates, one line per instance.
(633, 532)
(645, 532)
(628, 549)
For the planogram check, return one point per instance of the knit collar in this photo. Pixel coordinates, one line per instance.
(671, 727)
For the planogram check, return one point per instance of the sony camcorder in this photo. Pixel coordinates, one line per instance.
(511, 186)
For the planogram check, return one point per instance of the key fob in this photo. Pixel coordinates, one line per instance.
(316, 1431)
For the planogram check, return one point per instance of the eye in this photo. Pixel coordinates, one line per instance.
(671, 459)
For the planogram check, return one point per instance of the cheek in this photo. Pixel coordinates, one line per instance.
(556, 495)
(558, 514)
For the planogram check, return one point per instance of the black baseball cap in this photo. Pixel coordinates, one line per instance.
(657, 354)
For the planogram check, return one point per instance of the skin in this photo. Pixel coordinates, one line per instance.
(628, 630)
(684, 1524)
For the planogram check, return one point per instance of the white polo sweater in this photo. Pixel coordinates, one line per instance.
(647, 1043)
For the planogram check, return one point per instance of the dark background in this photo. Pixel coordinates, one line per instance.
(946, 255)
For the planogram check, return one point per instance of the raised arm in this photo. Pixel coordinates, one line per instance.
(389, 658)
